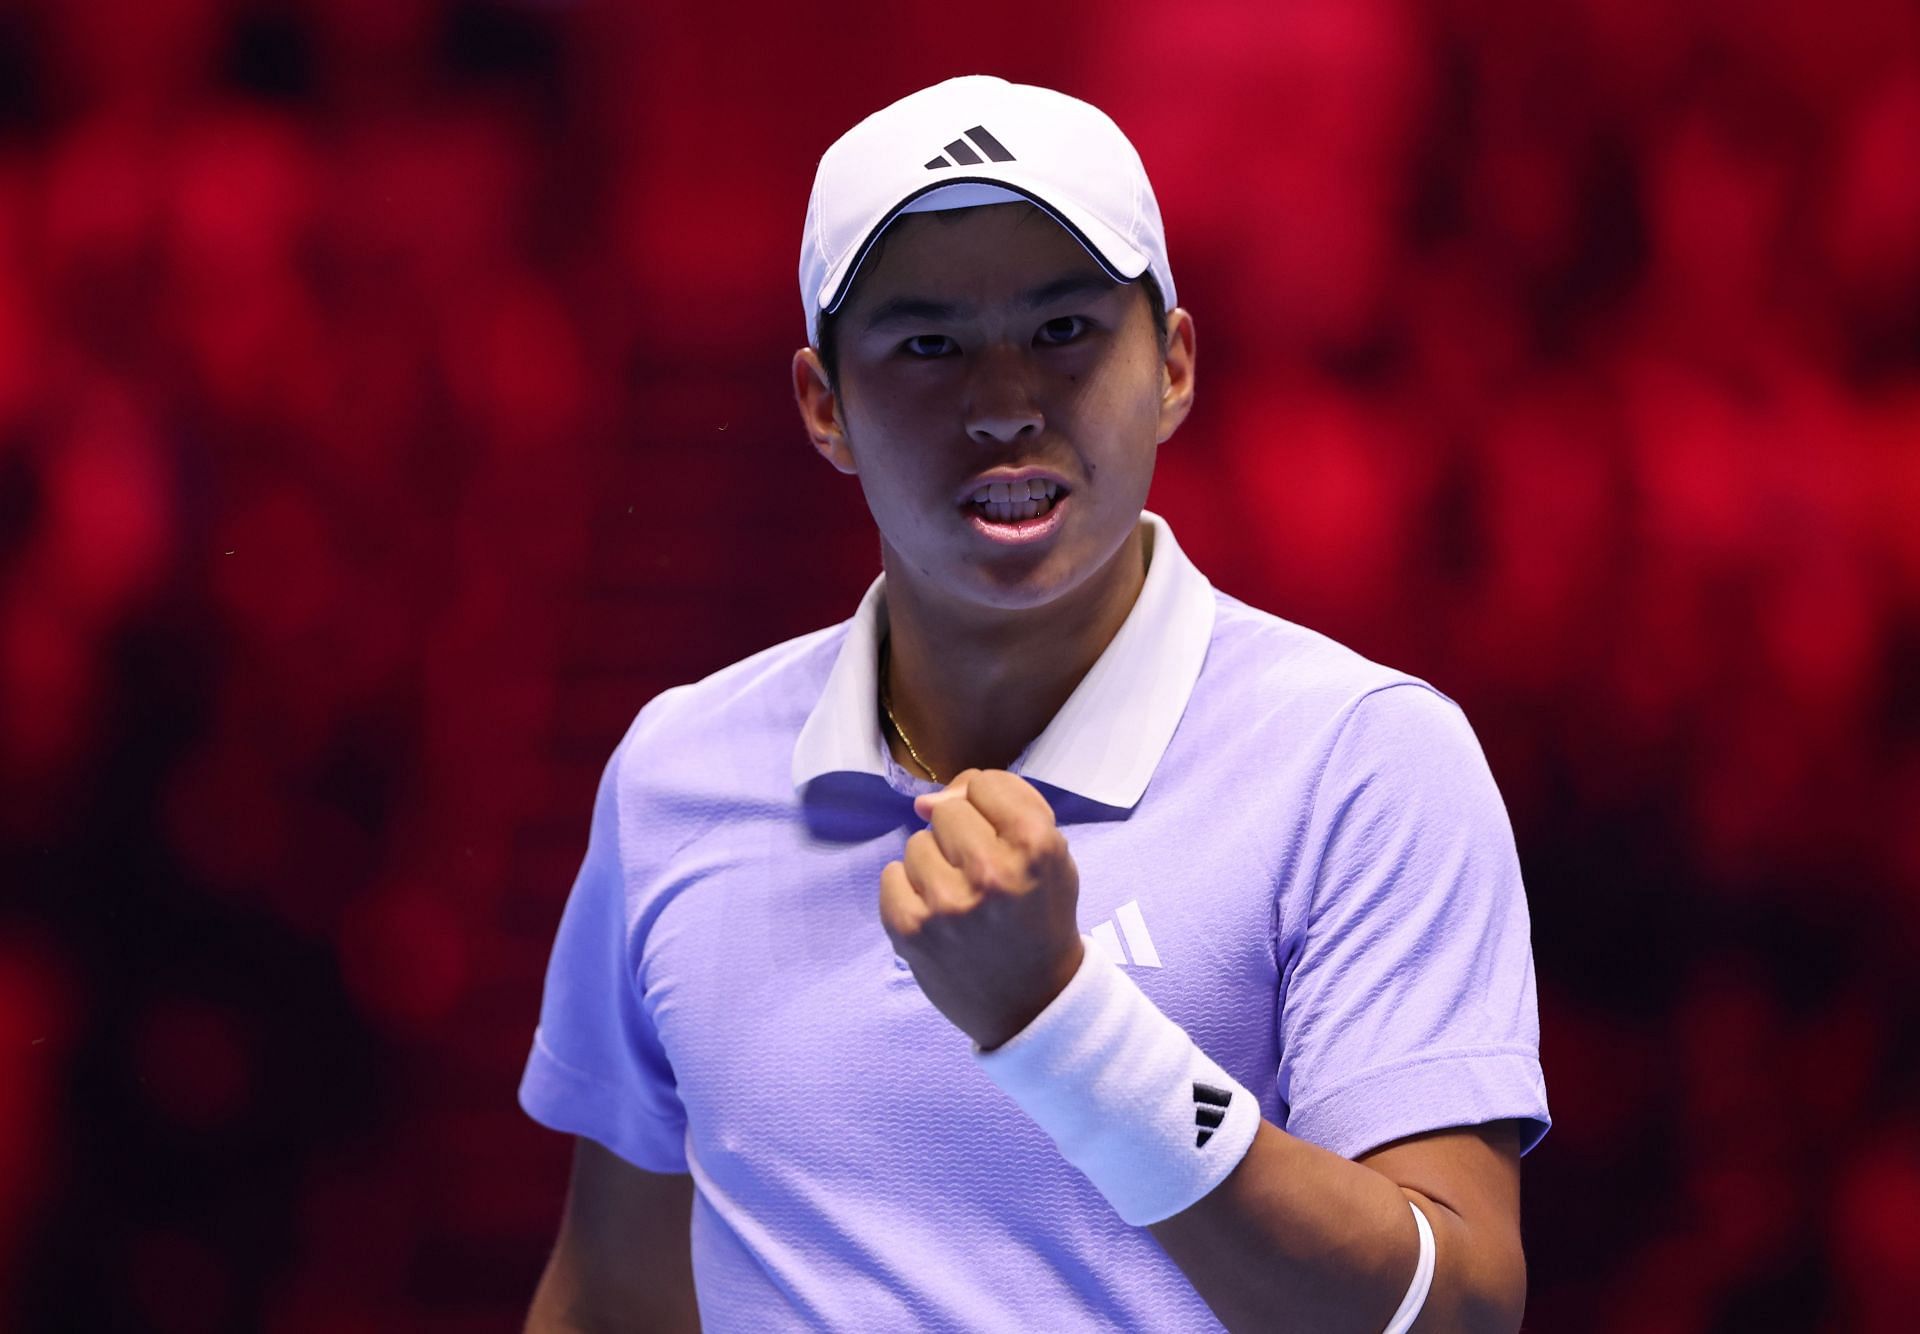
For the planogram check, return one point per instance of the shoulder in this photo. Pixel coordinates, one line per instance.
(1272, 667)
(747, 709)
(1343, 719)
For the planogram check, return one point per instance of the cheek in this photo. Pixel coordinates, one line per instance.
(1125, 395)
(885, 465)
(886, 412)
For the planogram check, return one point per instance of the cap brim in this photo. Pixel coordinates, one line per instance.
(1121, 261)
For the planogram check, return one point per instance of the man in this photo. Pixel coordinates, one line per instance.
(843, 973)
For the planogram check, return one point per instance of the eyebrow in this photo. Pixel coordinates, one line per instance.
(905, 309)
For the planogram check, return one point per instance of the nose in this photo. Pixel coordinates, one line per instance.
(1001, 406)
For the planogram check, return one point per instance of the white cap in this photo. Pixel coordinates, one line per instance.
(980, 140)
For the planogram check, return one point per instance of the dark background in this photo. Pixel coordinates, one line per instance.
(393, 397)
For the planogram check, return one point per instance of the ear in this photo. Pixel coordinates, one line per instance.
(1176, 378)
(820, 410)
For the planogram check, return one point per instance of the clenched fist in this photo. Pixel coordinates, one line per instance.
(984, 905)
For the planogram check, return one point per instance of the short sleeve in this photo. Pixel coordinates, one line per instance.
(597, 1067)
(1408, 1000)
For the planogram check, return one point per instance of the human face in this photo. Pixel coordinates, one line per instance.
(985, 344)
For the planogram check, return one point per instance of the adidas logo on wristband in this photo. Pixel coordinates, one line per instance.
(1209, 1110)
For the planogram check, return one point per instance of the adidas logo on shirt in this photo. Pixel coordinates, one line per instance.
(969, 148)
(1134, 927)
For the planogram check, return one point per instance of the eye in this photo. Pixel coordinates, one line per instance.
(927, 346)
(1065, 329)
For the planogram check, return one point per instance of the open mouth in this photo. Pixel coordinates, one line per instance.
(1016, 502)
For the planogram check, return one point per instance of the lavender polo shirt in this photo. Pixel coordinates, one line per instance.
(1299, 855)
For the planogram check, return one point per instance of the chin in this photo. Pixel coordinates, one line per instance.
(954, 566)
(1020, 596)
(1012, 584)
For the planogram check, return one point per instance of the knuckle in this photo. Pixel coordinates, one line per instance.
(986, 874)
(1045, 855)
(1032, 843)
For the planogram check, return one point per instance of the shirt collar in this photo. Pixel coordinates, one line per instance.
(1105, 741)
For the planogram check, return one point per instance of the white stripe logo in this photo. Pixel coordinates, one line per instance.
(1134, 927)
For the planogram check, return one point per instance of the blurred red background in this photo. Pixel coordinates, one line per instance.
(393, 397)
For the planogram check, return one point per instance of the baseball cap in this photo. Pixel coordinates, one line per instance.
(979, 140)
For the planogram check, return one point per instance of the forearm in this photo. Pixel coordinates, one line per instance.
(657, 1296)
(1297, 1237)
(550, 1314)
(1273, 1231)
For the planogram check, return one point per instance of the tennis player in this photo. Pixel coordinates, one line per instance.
(1058, 943)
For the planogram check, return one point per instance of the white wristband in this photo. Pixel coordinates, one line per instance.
(1422, 1277)
(1127, 1096)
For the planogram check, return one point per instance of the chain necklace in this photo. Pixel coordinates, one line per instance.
(886, 704)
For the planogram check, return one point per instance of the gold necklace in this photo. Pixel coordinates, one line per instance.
(886, 657)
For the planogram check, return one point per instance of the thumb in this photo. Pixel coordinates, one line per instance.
(954, 791)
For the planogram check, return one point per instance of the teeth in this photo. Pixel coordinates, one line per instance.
(1015, 511)
(1014, 493)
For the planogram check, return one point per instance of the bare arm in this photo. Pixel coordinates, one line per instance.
(624, 1259)
(1299, 1237)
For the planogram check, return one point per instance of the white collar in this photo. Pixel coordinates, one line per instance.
(1110, 734)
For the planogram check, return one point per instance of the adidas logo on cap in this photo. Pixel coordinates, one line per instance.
(962, 152)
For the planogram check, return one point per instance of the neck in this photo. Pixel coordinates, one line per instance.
(973, 687)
